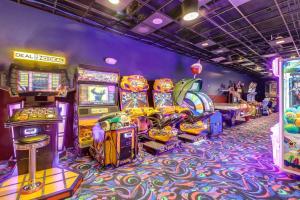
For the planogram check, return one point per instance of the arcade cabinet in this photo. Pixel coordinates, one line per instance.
(163, 101)
(205, 121)
(115, 141)
(288, 133)
(134, 100)
(38, 113)
(255, 108)
(270, 103)
(38, 130)
(96, 94)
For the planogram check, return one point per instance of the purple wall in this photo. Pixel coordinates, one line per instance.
(25, 27)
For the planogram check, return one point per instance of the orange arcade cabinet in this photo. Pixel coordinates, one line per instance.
(134, 100)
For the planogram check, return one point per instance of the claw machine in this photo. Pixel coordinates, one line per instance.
(289, 124)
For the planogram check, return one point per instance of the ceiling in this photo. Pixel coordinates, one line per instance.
(241, 34)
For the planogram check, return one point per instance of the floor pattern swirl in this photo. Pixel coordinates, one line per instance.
(237, 165)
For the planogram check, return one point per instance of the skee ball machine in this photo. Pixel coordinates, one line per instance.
(134, 100)
(289, 134)
(96, 94)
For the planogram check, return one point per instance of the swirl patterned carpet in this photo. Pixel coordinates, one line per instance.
(237, 165)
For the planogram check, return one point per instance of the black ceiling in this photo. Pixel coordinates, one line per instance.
(240, 32)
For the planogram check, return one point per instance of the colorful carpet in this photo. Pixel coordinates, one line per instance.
(237, 165)
(6, 169)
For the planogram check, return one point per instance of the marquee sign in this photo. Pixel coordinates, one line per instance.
(39, 57)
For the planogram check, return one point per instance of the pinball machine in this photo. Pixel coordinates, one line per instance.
(96, 95)
(39, 112)
(159, 134)
(204, 120)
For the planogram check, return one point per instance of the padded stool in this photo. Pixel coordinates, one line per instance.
(31, 144)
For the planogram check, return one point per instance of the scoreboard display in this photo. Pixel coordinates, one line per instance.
(30, 81)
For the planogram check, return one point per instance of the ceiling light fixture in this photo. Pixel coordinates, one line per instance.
(143, 29)
(190, 10)
(205, 44)
(157, 21)
(115, 2)
(280, 42)
(110, 60)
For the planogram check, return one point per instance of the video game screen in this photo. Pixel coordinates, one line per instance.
(196, 87)
(97, 94)
(134, 99)
(30, 81)
(162, 99)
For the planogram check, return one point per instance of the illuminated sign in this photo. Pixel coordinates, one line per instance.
(39, 57)
(30, 131)
(90, 75)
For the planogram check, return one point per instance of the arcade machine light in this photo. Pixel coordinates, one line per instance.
(289, 124)
(134, 100)
(96, 94)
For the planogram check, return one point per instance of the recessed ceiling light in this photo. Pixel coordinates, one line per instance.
(205, 44)
(293, 56)
(280, 42)
(220, 51)
(110, 60)
(190, 16)
(143, 29)
(157, 21)
(114, 1)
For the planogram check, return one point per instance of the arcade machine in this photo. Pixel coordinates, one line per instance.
(288, 134)
(270, 102)
(163, 101)
(96, 94)
(38, 129)
(254, 106)
(115, 141)
(204, 121)
(39, 113)
(134, 100)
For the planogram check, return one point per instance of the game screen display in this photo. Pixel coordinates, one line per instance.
(97, 94)
(134, 99)
(162, 99)
(196, 87)
(38, 81)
